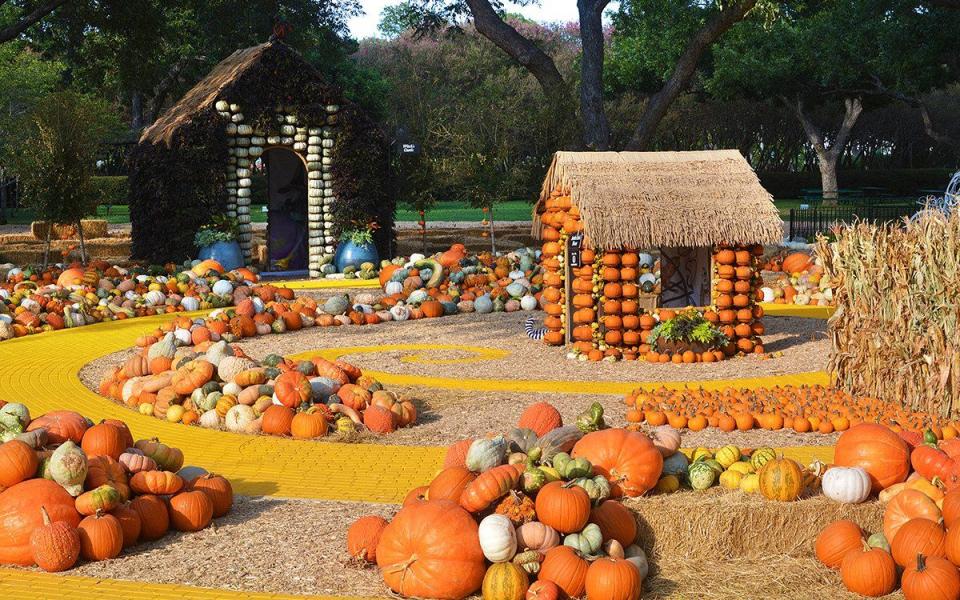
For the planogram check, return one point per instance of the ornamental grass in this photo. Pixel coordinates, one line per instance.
(895, 334)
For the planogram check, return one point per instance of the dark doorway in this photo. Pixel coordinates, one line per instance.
(287, 231)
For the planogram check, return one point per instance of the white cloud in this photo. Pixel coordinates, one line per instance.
(548, 11)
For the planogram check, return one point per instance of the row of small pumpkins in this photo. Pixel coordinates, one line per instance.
(216, 385)
(541, 502)
(801, 281)
(803, 409)
(918, 548)
(101, 292)
(70, 489)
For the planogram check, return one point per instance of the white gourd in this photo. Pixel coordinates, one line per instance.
(498, 538)
(638, 558)
(847, 485)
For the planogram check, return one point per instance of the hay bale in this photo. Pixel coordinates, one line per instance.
(92, 228)
(720, 524)
(896, 327)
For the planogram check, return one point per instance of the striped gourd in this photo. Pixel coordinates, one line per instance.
(781, 479)
(505, 581)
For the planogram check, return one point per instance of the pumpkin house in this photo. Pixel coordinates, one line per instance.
(601, 216)
(263, 108)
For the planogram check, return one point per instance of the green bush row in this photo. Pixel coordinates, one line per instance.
(899, 182)
(112, 189)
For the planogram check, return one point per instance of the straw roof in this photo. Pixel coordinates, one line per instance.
(664, 199)
(258, 77)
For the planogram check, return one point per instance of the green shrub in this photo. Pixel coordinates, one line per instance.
(111, 189)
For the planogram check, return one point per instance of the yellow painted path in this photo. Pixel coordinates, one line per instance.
(326, 284)
(17, 584)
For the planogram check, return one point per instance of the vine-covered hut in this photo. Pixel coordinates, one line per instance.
(327, 163)
(601, 215)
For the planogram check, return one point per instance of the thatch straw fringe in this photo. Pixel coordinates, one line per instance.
(896, 332)
(664, 199)
(203, 95)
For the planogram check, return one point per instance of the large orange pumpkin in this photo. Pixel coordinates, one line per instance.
(836, 540)
(796, 262)
(615, 522)
(907, 505)
(18, 461)
(917, 536)
(613, 579)
(541, 417)
(104, 440)
(564, 507)
(490, 486)
(61, 425)
(20, 515)
(564, 567)
(432, 550)
(628, 459)
(878, 450)
(930, 578)
(292, 389)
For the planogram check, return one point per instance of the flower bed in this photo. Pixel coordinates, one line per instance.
(34, 302)
(803, 409)
(72, 490)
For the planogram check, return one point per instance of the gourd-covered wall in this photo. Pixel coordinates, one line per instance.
(194, 162)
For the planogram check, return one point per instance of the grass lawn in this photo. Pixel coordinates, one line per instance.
(513, 210)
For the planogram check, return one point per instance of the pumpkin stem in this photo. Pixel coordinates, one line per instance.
(46, 515)
(921, 563)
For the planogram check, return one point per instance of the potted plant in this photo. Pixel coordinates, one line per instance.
(689, 330)
(218, 241)
(356, 247)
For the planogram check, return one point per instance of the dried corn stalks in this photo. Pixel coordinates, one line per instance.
(895, 333)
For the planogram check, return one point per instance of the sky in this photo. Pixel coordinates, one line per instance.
(559, 10)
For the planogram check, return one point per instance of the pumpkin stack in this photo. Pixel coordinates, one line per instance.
(540, 502)
(736, 294)
(98, 492)
(216, 385)
(559, 220)
(585, 288)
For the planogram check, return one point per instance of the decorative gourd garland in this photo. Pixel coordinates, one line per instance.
(70, 489)
(34, 302)
(189, 372)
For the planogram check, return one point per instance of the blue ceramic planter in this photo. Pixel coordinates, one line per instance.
(349, 253)
(228, 254)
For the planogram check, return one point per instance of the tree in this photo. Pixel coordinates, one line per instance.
(828, 54)
(489, 20)
(27, 14)
(55, 161)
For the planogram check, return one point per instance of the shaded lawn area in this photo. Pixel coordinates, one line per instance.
(513, 210)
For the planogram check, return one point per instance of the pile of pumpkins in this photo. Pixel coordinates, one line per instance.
(463, 283)
(736, 293)
(215, 385)
(803, 409)
(72, 490)
(801, 281)
(918, 548)
(38, 301)
(757, 471)
(533, 513)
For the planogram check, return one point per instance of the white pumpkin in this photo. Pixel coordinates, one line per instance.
(217, 352)
(400, 312)
(183, 336)
(528, 302)
(223, 288)
(767, 294)
(846, 485)
(638, 558)
(210, 419)
(258, 305)
(498, 538)
(232, 388)
(190, 303)
(239, 417)
(393, 287)
(154, 298)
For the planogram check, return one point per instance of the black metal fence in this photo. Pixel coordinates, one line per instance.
(806, 223)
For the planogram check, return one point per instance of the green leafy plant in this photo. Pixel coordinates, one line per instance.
(220, 229)
(361, 234)
(688, 327)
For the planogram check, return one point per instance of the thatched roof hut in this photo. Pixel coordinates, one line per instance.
(193, 162)
(663, 199)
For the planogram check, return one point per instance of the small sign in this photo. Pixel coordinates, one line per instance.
(410, 148)
(574, 244)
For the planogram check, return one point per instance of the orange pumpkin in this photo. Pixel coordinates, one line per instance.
(628, 459)
(564, 567)
(879, 451)
(564, 507)
(292, 389)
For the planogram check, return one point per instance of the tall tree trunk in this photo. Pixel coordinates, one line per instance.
(827, 157)
(596, 129)
(136, 111)
(83, 247)
(686, 66)
(527, 54)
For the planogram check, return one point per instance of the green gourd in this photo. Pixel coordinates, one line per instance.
(587, 542)
(701, 475)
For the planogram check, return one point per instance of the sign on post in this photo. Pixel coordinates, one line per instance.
(574, 244)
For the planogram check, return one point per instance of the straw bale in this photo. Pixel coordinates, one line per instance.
(92, 228)
(720, 524)
(664, 199)
(895, 333)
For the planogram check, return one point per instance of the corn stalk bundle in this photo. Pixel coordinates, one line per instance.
(895, 333)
